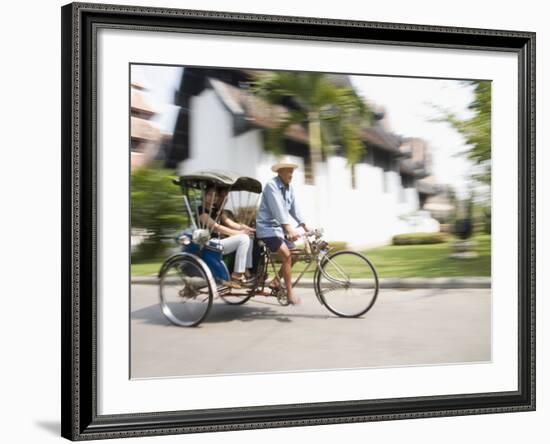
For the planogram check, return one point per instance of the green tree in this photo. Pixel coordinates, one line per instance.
(476, 129)
(334, 114)
(156, 206)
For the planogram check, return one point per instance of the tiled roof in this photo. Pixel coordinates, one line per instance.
(427, 185)
(262, 114)
(143, 129)
(138, 102)
(413, 167)
(257, 111)
(382, 139)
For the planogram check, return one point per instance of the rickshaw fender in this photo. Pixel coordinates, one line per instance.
(214, 261)
(177, 256)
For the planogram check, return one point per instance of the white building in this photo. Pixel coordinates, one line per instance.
(221, 126)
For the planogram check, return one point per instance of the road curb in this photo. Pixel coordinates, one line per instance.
(404, 283)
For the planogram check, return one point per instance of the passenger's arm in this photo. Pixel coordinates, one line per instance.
(218, 228)
(295, 212)
(228, 222)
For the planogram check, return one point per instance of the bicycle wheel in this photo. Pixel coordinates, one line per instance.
(347, 284)
(243, 295)
(186, 291)
(237, 297)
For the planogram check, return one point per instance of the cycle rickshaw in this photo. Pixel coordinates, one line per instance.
(345, 282)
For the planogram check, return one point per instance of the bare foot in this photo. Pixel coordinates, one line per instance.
(275, 284)
(294, 300)
(232, 284)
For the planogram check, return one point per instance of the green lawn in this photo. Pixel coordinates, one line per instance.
(403, 261)
(146, 269)
(431, 260)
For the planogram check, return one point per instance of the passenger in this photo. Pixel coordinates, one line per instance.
(233, 236)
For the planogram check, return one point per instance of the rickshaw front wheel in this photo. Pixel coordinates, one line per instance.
(186, 290)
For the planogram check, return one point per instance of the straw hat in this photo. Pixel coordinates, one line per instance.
(285, 162)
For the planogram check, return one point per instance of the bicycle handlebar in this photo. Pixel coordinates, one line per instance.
(318, 232)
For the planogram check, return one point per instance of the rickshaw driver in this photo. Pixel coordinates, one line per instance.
(278, 203)
(237, 236)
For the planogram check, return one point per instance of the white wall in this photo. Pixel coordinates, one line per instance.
(210, 134)
(212, 143)
(30, 331)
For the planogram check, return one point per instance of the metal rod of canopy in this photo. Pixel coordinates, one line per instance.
(240, 208)
(212, 203)
(197, 210)
(231, 201)
(247, 213)
(203, 194)
(188, 208)
(253, 210)
(220, 210)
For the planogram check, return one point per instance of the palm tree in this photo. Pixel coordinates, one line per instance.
(334, 114)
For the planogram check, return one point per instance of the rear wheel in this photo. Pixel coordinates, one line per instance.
(245, 294)
(186, 291)
(347, 283)
(242, 295)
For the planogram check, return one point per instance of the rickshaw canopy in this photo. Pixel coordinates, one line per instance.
(227, 179)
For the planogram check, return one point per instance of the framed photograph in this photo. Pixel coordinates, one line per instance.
(275, 221)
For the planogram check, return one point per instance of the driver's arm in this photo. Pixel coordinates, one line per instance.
(296, 214)
(290, 232)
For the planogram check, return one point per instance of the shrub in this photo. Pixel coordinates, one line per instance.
(338, 245)
(420, 238)
(157, 207)
(487, 220)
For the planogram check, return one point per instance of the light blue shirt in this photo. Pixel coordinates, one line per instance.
(278, 203)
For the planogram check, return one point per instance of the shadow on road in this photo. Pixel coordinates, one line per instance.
(221, 312)
(248, 313)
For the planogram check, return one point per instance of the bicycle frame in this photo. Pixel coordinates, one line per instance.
(309, 256)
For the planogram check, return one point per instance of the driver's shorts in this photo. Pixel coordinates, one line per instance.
(274, 243)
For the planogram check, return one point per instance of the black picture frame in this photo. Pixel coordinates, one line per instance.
(80, 420)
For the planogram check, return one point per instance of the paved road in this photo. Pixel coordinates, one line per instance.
(405, 327)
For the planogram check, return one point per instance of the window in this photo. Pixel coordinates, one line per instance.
(136, 145)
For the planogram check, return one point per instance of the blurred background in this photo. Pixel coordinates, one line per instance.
(397, 167)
